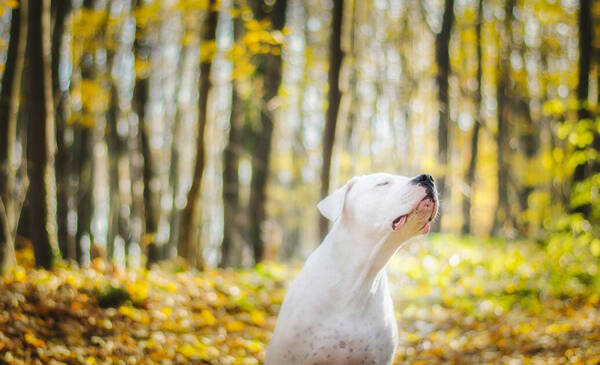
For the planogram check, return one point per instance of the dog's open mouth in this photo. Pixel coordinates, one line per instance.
(428, 203)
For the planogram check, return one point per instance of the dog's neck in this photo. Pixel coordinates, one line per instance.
(363, 255)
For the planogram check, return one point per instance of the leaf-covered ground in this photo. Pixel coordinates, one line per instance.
(456, 302)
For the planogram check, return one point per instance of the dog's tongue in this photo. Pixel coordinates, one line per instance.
(399, 222)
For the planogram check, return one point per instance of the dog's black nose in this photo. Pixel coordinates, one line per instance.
(424, 179)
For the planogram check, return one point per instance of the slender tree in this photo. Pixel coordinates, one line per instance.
(9, 110)
(64, 152)
(529, 140)
(269, 67)
(141, 50)
(231, 160)
(351, 92)
(470, 175)
(41, 139)
(336, 56)
(84, 152)
(175, 154)
(442, 56)
(502, 134)
(585, 49)
(187, 238)
(299, 153)
(118, 221)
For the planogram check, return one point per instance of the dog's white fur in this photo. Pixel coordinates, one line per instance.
(339, 310)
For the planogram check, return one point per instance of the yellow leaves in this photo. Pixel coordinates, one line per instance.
(166, 311)
(555, 106)
(208, 50)
(189, 351)
(256, 26)
(190, 5)
(595, 247)
(413, 337)
(171, 287)
(524, 328)
(10, 4)
(86, 25)
(242, 63)
(147, 13)
(134, 314)
(127, 311)
(556, 328)
(138, 290)
(252, 346)
(234, 326)
(198, 351)
(142, 68)
(208, 318)
(260, 39)
(20, 274)
(217, 317)
(72, 280)
(257, 318)
(33, 340)
(480, 306)
(94, 99)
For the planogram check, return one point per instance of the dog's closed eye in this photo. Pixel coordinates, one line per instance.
(383, 183)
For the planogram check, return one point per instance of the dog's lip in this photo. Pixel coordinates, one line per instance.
(434, 201)
(402, 218)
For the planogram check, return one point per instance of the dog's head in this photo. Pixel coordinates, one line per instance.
(384, 202)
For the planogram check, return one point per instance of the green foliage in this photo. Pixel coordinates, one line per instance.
(111, 296)
(521, 273)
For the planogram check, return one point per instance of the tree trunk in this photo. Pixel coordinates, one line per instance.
(118, 219)
(470, 176)
(9, 112)
(83, 158)
(115, 152)
(231, 206)
(141, 90)
(269, 67)
(502, 135)
(335, 64)
(582, 171)
(41, 140)
(352, 107)
(61, 10)
(299, 156)
(442, 56)
(529, 141)
(187, 246)
(85, 170)
(231, 161)
(175, 158)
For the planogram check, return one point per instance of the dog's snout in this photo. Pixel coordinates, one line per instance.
(424, 179)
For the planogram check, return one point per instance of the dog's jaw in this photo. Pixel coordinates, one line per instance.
(426, 206)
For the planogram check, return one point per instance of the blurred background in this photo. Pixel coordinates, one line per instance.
(133, 132)
(213, 128)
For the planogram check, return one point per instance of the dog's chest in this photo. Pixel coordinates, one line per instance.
(342, 340)
(327, 319)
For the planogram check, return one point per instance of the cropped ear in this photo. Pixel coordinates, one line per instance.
(332, 205)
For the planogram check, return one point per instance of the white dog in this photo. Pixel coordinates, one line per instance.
(339, 310)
